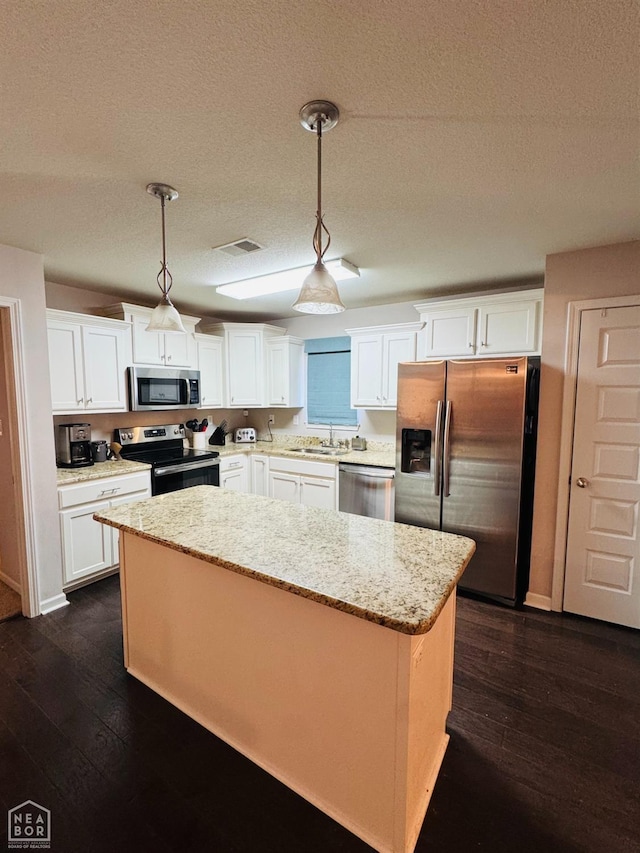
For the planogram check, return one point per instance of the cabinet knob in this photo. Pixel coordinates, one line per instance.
(89, 400)
(81, 401)
(169, 358)
(484, 344)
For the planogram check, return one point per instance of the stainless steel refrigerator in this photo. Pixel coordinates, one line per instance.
(465, 462)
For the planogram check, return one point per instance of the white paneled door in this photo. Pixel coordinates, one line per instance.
(602, 578)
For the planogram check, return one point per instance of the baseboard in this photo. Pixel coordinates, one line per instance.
(14, 585)
(53, 603)
(541, 602)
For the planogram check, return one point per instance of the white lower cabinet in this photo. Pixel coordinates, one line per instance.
(302, 481)
(260, 474)
(88, 547)
(234, 473)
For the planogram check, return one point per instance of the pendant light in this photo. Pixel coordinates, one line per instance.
(319, 292)
(165, 317)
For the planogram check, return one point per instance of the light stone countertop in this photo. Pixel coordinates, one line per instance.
(392, 574)
(381, 456)
(111, 468)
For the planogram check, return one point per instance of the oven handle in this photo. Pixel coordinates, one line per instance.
(184, 466)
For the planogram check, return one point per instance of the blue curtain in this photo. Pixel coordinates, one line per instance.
(329, 381)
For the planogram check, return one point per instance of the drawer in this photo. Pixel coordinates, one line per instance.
(105, 488)
(304, 467)
(229, 463)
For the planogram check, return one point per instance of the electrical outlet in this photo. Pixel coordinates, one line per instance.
(296, 420)
(245, 412)
(272, 419)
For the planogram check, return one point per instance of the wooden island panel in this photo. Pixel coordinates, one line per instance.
(349, 714)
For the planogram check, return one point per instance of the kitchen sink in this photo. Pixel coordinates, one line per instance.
(321, 451)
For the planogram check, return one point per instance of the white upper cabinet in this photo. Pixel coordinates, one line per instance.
(285, 371)
(167, 349)
(88, 357)
(481, 326)
(375, 354)
(211, 367)
(245, 355)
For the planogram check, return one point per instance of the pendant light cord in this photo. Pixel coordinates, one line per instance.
(320, 226)
(164, 272)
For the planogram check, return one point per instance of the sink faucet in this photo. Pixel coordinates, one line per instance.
(330, 434)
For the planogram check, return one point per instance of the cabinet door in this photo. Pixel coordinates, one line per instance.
(449, 332)
(115, 534)
(366, 371)
(86, 544)
(179, 350)
(104, 353)
(284, 487)
(148, 347)
(246, 377)
(260, 475)
(397, 347)
(233, 474)
(509, 327)
(318, 491)
(65, 366)
(210, 367)
(277, 373)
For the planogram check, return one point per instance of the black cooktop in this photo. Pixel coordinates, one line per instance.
(162, 456)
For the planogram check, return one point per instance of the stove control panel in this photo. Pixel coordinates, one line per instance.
(149, 434)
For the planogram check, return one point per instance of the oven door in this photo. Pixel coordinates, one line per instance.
(170, 478)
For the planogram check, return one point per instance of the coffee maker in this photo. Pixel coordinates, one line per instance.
(73, 445)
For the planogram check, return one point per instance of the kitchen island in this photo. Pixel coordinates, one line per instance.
(318, 644)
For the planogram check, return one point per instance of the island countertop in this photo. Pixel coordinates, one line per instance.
(392, 574)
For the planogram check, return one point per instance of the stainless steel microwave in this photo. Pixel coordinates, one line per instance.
(155, 388)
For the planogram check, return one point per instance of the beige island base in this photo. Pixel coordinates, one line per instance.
(318, 644)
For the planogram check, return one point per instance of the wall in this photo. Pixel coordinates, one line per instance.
(10, 550)
(22, 278)
(570, 277)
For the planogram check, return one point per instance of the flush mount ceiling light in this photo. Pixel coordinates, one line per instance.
(164, 317)
(319, 292)
(277, 282)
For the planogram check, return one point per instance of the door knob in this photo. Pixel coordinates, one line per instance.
(582, 483)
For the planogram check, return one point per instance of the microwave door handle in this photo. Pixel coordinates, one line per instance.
(446, 455)
(436, 450)
(186, 466)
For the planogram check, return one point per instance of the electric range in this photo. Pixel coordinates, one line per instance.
(173, 466)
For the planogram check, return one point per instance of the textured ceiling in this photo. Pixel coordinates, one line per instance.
(475, 138)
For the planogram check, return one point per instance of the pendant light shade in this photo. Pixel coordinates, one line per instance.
(165, 317)
(319, 292)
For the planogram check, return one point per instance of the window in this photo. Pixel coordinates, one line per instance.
(329, 382)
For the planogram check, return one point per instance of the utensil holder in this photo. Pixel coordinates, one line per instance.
(198, 440)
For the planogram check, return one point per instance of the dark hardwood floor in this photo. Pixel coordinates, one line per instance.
(544, 752)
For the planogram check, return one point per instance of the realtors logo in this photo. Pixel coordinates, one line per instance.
(29, 827)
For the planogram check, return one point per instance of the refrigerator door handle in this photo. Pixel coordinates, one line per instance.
(447, 450)
(437, 455)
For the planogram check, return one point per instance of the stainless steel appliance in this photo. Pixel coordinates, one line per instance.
(465, 461)
(73, 446)
(245, 435)
(366, 490)
(163, 388)
(172, 465)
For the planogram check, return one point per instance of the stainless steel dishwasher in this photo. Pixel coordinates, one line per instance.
(365, 490)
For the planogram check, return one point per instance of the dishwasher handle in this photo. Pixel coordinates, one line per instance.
(372, 474)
